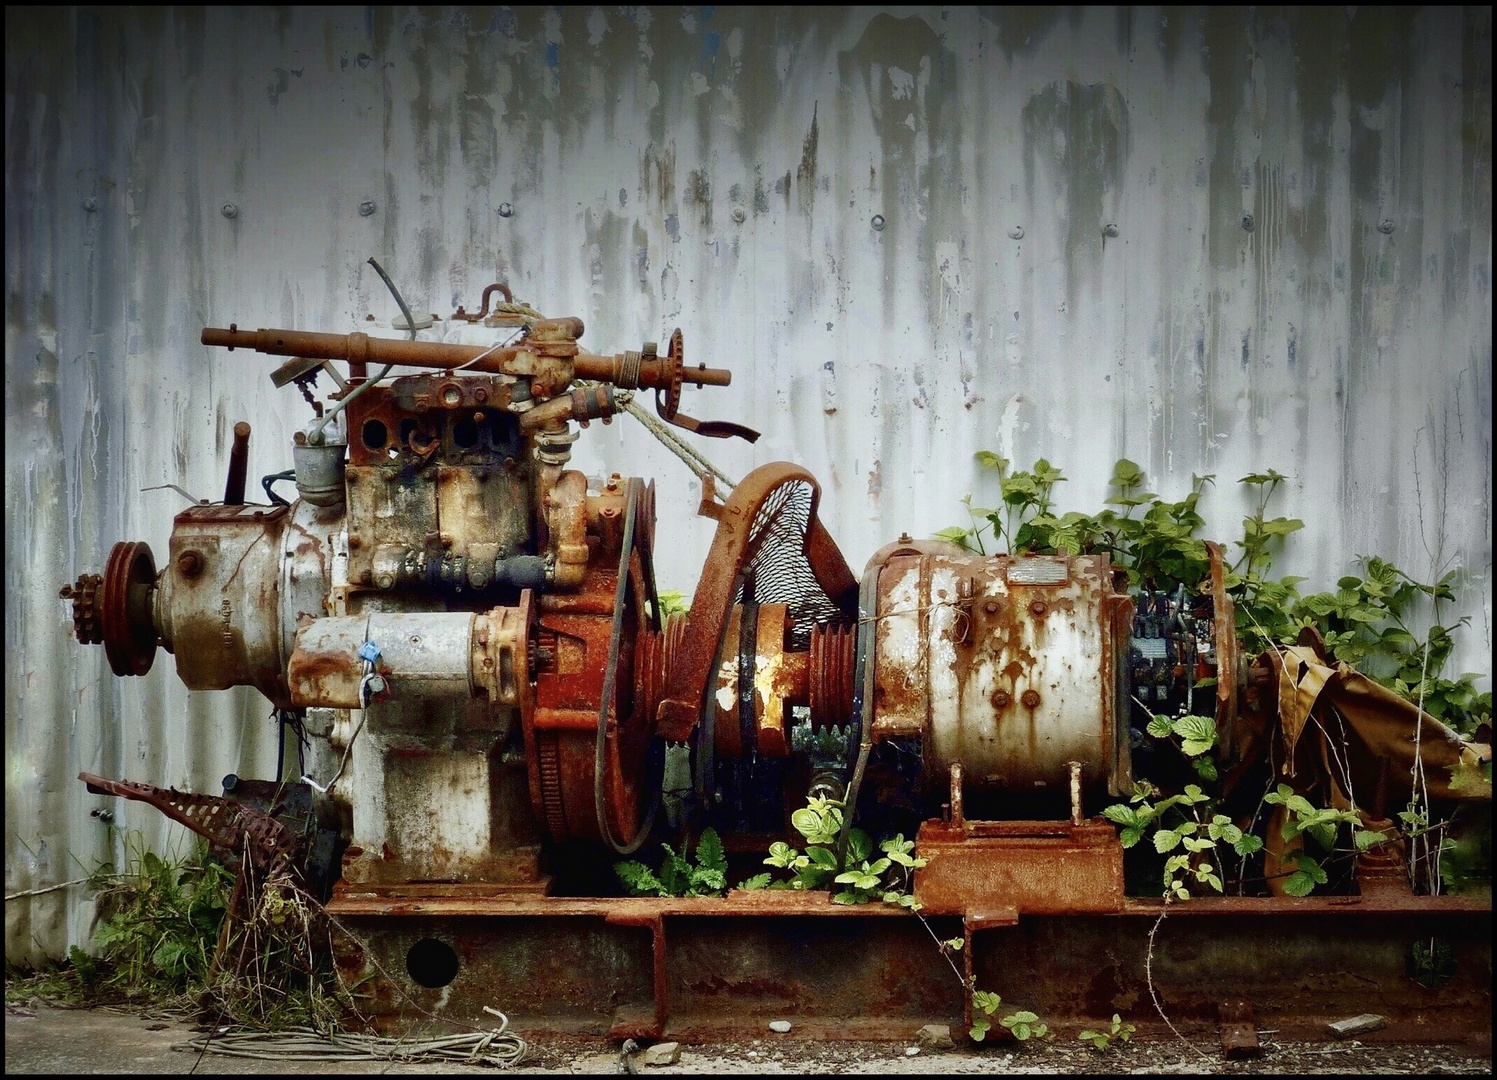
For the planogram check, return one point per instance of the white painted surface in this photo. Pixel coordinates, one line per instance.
(626, 141)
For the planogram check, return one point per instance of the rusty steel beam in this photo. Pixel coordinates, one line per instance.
(715, 969)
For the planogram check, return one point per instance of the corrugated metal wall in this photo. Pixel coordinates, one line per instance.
(723, 170)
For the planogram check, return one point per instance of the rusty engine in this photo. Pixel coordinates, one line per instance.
(467, 640)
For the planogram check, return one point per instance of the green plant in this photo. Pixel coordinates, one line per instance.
(1025, 1026)
(163, 919)
(867, 878)
(678, 877)
(986, 1003)
(1103, 1040)
(1196, 829)
(672, 603)
(1320, 823)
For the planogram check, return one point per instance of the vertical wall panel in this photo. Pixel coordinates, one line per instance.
(720, 169)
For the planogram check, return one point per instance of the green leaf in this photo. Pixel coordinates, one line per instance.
(1198, 733)
(1248, 844)
(955, 943)
(991, 460)
(758, 881)
(1161, 727)
(987, 1001)
(822, 857)
(845, 898)
(781, 854)
(979, 1029)
(1166, 840)
(1120, 813)
(710, 854)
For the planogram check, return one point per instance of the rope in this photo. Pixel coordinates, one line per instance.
(682, 449)
(496, 1048)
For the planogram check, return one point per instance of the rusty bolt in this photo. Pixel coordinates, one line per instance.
(1030, 699)
(229, 210)
(300, 438)
(991, 607)
(190, 564)
(877, 223)
(446, 541)
(1001, 699)
(480, 395)
(354, 543)
(1248, 223)
(385, 581)
(1038, 608)
(366, 208)
(610, 512)
(479, 417)
(505, 209)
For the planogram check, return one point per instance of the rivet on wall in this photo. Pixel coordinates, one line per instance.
(229, 210)
(738, 216)
(877, 223)
(505, 209)
(1385, 226)
(1247, 222)
(1109, 230)
(1017, 232)
(366, 208)
(90, 204)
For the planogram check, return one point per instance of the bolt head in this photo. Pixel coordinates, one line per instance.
(1248, 223)
(1109, 230)
(991, 607)
(90, 204)
(190, 564)
(738, 217)
(1038, 608)
(366, 208)
(506, 210)
(877, 223)
(1030, 699)
(1016, 233)
(1385, 226)
(229, 210)
(1001, 699)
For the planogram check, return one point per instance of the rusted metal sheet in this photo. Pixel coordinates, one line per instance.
(1032, 867)
(1005, 666)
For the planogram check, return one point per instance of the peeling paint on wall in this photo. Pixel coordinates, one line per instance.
(721, 169)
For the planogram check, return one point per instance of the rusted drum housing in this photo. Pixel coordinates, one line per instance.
(1006, 666)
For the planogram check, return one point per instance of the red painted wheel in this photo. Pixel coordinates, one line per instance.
(125, 618)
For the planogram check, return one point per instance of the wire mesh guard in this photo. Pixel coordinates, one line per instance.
(775, 565)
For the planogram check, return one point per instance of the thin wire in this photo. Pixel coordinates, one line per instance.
(314, 435)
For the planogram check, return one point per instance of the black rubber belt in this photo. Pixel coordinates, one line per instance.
(748, 635)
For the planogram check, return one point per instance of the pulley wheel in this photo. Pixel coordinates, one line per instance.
(125, 619)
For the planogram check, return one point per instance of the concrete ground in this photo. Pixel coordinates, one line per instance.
(41, 1039)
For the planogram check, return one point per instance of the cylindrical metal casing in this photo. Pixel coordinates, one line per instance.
(1006, 666)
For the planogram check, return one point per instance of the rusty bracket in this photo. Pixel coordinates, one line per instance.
(972, 922)
(627, 1027)
(220, 821)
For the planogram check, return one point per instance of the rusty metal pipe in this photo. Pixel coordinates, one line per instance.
(362, 349)
(238, 465)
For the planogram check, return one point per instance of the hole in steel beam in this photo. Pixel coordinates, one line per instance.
(431, 963)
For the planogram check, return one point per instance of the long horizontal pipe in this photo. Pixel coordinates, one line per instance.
(361, 348)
